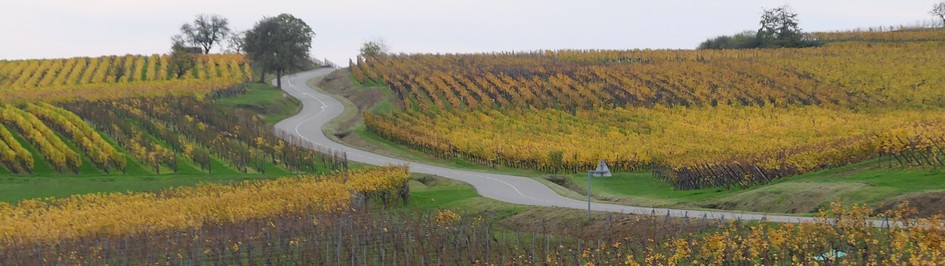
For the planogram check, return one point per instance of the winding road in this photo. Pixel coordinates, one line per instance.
(319, 108)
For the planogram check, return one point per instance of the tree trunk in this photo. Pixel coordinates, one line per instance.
(262, 75)
(279, 79)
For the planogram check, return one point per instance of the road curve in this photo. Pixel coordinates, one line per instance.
(319, 108)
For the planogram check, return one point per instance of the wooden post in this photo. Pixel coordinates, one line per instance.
(589, 194)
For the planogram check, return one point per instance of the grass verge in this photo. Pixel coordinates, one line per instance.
(267, 102)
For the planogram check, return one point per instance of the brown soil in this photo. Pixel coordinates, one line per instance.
(574, 223)
(785, 198)
(926, 203)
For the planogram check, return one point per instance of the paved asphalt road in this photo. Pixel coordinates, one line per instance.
(320, 108)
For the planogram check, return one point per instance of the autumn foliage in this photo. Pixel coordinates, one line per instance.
(112, 77)
(697, 119)
(312, 232)
(37, 133)
(157, 132)
(123, 214)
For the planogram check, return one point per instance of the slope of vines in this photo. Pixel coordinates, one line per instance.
(15, 158)
(156, 131)
(847, 74)
(159, 133)
(102, 153)
(695, 118)
(888, 34)
(68, 108)
(111, 77)
(49, 221)
(57, 152)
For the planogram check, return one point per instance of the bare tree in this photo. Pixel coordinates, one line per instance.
(938, 10)
(235, 42)
(205, 31)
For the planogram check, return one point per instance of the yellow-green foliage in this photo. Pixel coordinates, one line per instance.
(117, 214)
(111, 77)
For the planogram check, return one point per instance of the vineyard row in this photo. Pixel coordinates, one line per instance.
(447, 238)
(114, 77)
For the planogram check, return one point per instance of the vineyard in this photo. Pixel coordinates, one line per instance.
(695, 119)
(103, 115)
(322, 230)
(161, 134)
(706, 118)
(114, 77)
(889, 34)
(48, 222)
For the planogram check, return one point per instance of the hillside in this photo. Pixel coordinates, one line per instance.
(115, 123)
(115, 77)
(696, 119)
(780, 130)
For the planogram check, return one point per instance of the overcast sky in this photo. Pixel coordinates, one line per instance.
(67, 28)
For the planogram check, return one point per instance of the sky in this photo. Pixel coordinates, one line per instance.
(69, 28)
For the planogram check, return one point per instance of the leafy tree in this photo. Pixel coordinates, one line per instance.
(205, 31)
(370, 49)
(181, 59)
(779, 22)
(780, 28)
(279, 44)
(259, 45)
(938, 10)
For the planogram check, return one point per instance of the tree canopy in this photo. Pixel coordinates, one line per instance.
(279, 44)
(181, 60)
(779, 28)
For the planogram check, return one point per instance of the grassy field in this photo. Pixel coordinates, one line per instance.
(266, 101)
(13, 189)
(868, 183)
(431, 193)
(871, 183)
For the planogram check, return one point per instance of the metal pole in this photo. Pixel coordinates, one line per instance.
(589, 195)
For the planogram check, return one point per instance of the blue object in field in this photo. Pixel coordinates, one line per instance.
(833, 255)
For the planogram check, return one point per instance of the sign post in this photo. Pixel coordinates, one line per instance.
(589, 173)
(601, 170)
